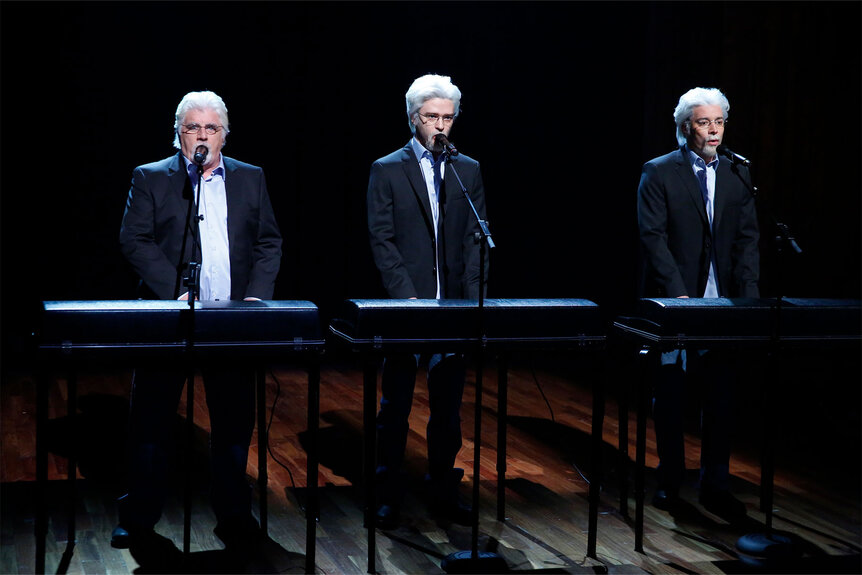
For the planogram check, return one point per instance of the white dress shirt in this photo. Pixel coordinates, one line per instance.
(215, 249)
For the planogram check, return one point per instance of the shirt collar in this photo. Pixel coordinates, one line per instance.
(421, 150)
(192, 168)
(698, 163)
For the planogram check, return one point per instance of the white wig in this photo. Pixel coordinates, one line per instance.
(427, 87)
(692, 99)
(200, 101)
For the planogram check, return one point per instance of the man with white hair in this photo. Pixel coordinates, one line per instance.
(699, 239)
(422, 238)
(238, 244)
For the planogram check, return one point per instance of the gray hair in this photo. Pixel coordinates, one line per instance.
(200, 101)
(692, 99)
(427, 87)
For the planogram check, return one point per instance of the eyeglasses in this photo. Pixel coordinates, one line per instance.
(210, 129)
(433, 118)
(703, 123)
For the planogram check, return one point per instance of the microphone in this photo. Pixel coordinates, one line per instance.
(201, 154)
(736, 158)
(442, 140)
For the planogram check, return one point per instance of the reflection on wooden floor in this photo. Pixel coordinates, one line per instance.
(817, 497)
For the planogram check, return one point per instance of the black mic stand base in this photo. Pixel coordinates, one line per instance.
(774, 552)
(466, 562)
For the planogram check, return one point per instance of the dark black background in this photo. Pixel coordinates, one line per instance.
(562, 104)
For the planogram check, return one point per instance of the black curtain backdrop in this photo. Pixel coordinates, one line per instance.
(562, 104)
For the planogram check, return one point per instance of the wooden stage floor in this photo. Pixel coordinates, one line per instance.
(817, 482)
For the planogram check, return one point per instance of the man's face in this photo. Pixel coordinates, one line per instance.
(705, 131)
(428, 127)
(190, 140)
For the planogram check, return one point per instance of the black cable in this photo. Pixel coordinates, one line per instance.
(539, 385)
(551, 411)
(269, 448)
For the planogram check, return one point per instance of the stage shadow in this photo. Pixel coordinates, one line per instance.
(416, 553)
(339, 444)
(573, 445)
(160, 555)
(97, 435)
(836, 564)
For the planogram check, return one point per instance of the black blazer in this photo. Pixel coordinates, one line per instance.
(675, 236)
(154, 225)
(400, 227)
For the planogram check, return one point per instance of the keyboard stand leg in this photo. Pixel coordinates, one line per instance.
(369, 403)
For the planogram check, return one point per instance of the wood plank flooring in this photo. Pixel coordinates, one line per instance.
(817, 482)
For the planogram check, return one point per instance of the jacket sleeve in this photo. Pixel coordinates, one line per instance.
(266, 249)
(470, 246)
(652, 208)
(138, 240)
(381, 233)
(745, 253)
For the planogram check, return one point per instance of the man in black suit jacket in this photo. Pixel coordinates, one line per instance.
(699, 238)
(422, 231)
(238, 243)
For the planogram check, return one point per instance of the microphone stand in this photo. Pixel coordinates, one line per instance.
(475, 561)
(769, 547)
(192, 282)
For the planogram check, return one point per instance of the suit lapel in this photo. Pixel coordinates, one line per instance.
(450, 191)
(181, 187)
(449, 185)
(233, 196)
(417, 182)
(690, 184)
(721, 180)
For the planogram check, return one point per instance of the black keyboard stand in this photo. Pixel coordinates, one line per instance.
(663, 324)
(75, 336)
(373, 328)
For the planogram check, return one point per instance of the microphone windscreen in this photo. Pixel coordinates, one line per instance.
(442, 140)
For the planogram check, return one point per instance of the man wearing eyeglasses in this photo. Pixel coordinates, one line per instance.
(699, 239)
(422, 238)
(238, 245)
